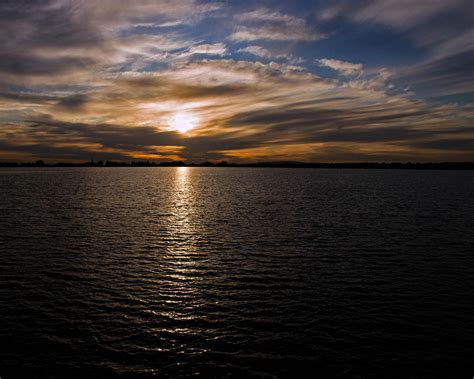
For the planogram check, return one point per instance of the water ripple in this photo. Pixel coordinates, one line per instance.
(236, 273)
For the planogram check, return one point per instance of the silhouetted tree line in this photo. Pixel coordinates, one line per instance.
(361, 165)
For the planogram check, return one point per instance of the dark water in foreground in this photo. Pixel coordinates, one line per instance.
(132, 272)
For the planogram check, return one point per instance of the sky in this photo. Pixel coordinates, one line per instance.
(160, 80)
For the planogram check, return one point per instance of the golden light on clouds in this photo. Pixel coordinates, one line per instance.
(121, 80)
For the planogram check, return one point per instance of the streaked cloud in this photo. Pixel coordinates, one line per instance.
(265, 24)
(209, 49)
(345, 68)
(443, 30)
(103, 79)
(261, 52)
(400, 14)
(258, 51)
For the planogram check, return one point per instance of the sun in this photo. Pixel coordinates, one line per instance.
(183, 122)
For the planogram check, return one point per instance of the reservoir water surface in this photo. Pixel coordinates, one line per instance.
(231, 272)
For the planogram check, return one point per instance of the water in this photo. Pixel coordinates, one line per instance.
(136, 272)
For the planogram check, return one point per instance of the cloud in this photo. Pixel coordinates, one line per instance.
(261, 52)
(402, 14)
(442, 29)
(399, 14)
(430, 23)
(209, 49)
(73, 103)
(273, 33)
(446, 76)
(100, 79)
(264, 24)
(264, 14)
(250, 110)
(258, 51)
(218, 49)
(62, 37)
(344, 68)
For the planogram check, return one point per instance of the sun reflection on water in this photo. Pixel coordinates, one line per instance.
(181, 283)
(181, 248)
(182, 201)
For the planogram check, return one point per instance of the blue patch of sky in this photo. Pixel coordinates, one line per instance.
(371, 45)
(464, 98)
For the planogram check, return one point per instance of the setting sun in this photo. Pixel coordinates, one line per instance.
(183, 121)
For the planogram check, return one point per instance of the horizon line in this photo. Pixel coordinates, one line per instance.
(464, 165)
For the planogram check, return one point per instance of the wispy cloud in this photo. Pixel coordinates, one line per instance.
(261, 52)
(442, 28)
(206, 49)
(258, 51)
(249, 111)
(82, 79)
(345, 68)
(265, 24)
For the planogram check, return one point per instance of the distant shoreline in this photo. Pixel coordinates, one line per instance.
(361, 165)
